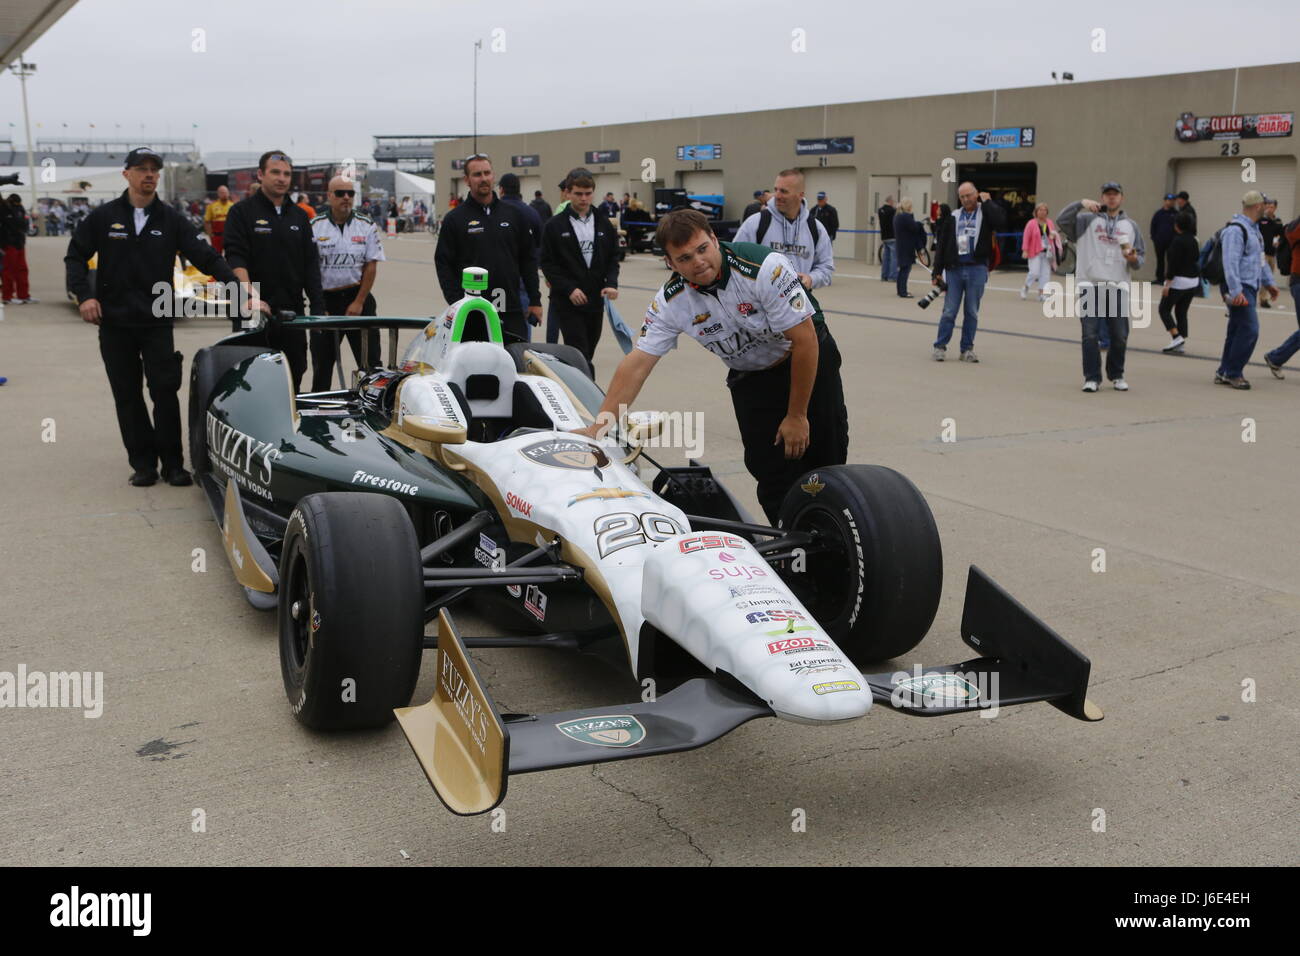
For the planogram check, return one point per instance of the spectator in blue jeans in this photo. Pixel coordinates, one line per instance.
(963, 249)
(1244, 273)
(888, 263)
(909, 239)
(1280, 355)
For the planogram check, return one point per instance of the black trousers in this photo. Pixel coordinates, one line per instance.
(580, 325)
(324, 351)
(130, 352)
(293, 343)
(761, 400)
(1162, 248)
(514, 327)
(1174, 306)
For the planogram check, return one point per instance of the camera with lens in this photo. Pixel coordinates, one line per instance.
(938, 290)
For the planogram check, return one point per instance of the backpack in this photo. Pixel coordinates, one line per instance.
(765, 221)
(1283, 252)
(1211, 258)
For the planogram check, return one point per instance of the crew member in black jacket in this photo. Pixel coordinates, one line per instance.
(486, 232)
(268, 241)
(137, 238)
(580, 261)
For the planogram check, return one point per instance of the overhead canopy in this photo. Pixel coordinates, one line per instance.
(417, 187)
(23, 21)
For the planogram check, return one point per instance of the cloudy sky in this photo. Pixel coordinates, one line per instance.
(321, 78)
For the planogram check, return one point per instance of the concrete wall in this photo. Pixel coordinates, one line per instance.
(1086, 133)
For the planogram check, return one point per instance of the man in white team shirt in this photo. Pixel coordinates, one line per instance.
(746, 305)
(351, 248)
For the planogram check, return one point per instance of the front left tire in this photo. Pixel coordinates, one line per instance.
(351, 615)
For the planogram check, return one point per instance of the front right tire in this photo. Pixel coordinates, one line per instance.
(876, 588)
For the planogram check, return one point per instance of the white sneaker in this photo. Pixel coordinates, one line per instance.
(1090, 386)
(939, 354)
(27, 301)
(1120, 385)
(1024, 291)
(1175, 344)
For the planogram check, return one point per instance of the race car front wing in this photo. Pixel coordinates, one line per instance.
(468, 748)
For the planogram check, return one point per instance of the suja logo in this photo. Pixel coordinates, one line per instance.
(795, 645)
(523, 507)
(776, 616)
(703, 542)
(726, 557)
(746, 571)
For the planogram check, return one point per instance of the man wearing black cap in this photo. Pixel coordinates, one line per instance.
(508, 187)
(137, 237)
(754, 208)
(1109, 250)
(483, 231)
(1182, 203)
(1162, 233)
(268, 241)
(540, 206)
(827, 215)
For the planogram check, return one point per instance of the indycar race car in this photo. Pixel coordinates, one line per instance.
(364, 514)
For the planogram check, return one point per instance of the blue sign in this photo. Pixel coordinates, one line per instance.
(701, 151)
(1011, 137)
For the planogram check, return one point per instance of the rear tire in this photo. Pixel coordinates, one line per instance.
(206, 369)
(876, 591)
(351, 610)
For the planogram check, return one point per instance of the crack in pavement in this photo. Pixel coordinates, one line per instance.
(659, 811)
(1222, 650)
(911, 740)
(1128, 548)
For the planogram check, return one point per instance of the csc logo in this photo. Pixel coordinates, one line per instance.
(702, 542)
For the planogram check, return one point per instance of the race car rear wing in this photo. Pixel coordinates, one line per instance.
(468, 748)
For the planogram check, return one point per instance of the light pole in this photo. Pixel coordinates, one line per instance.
(478, 45)
(23, 70)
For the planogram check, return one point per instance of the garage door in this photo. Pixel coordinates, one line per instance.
(610, 183)
(528, 185)
(1216, 188)
(708, 182)
(840, 184)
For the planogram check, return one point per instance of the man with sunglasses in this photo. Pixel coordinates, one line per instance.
(269, 241)
(350, 250)
(486, 232)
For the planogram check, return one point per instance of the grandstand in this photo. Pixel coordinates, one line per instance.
(412, 154)
(88, 152)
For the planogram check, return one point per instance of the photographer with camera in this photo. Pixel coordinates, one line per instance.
(963, 249)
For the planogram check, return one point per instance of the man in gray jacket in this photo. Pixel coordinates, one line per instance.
(1109, 249)
(784, 226)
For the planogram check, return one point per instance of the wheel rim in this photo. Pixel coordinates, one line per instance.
(829, 573)
(298, 595)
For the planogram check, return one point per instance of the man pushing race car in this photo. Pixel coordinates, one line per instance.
(745, 304)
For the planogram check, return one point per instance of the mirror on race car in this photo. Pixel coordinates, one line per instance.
(441, 431)
(642, 426)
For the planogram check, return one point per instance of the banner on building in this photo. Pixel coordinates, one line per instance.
(1009, 137)
(823, 147)
(1191, 128)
